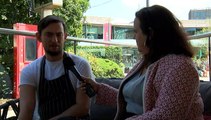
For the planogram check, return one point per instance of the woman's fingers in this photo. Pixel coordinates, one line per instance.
(90, 81)
(83, 87)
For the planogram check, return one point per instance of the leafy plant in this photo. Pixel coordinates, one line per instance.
(108, 52)
(107, 69)
(103, 68)
(5, 83)
(72, 12)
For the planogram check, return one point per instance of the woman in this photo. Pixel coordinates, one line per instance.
(164, 84)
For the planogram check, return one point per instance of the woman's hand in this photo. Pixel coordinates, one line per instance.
(94, 84)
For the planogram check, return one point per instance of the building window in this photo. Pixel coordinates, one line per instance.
(93, 32)
(122, 33)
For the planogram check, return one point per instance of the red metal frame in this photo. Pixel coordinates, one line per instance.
(19, 53)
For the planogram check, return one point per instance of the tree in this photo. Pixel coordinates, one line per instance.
(12, 11)
(72, 12)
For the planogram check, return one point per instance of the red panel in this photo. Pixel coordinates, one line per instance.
(105, 32)
(19, 53)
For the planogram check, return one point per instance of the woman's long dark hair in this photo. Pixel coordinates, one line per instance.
(165, 34)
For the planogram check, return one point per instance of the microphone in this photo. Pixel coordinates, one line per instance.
(69, 64)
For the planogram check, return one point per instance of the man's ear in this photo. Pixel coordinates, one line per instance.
(38, 37)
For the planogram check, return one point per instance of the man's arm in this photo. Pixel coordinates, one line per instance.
(79, 109)
(27, 102)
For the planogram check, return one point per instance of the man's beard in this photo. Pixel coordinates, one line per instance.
(53, 53)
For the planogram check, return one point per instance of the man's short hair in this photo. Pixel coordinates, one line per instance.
(48, 20)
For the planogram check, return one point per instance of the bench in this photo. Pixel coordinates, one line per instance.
(102, 112)
(205, 91)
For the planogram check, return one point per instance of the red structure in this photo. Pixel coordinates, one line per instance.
(107, 31)
(26, 49)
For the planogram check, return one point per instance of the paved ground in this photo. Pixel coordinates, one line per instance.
(10, 113)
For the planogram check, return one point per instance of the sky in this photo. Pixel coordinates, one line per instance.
(124, 10)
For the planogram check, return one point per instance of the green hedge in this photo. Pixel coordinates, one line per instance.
(103, 68)
(108, 52)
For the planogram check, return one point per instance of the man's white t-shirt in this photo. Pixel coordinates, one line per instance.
(30, 75)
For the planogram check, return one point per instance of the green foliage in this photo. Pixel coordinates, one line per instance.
(6, 62)
(72, 12)
(13, 11)
(5, 83)
(110, 52)
(107, 69)
(5, 89)
(114, 53)
(103, 68)
(202, 51)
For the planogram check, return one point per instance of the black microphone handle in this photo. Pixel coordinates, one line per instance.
(89, 90)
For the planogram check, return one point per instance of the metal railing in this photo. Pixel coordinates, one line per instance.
(29, 33)
(75, 39)
(131, 44)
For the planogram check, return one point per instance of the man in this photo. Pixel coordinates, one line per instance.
(47, 89)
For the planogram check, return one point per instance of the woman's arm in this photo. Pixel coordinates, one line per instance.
(106, 95)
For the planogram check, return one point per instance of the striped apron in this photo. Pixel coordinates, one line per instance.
(55, 96)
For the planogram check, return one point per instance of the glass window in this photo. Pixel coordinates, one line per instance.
(30, 51)
(122, 33)
(93, 32)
